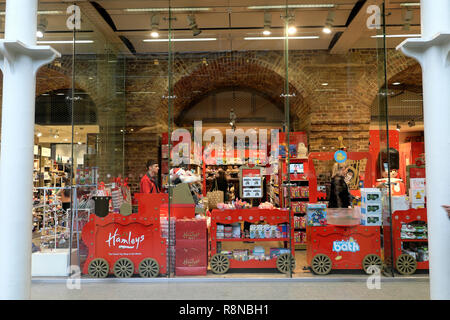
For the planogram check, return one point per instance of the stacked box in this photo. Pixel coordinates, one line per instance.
(191, 247)
(417, 195)
(170, 249)
(316, 214)
(371, 207)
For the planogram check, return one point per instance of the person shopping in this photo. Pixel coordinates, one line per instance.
(339, 194)
(149, 182)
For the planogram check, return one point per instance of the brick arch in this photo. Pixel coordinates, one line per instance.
(399, 68)
(240, 72)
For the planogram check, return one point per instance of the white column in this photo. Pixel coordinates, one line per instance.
(432, 52)
(20, 59)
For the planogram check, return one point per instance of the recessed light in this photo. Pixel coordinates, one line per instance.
(398, 36)
(293, 6)
(39, 134)
(396, 83)
(180, 40)
(324, 84)
(326, 30)
(282, 38)
(65, 42)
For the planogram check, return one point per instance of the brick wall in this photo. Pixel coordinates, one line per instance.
(132, 94)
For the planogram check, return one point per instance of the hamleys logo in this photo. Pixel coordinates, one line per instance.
(126, 241)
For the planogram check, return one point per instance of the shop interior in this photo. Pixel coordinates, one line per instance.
(111, 102)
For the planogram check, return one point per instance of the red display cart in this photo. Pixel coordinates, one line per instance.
(220, 263)
(408, 263)
(125, 245)
(343, 247)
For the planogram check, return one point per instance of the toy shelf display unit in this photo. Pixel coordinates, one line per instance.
(297, 196)
(343, 247)
(266, 225)
(126, 245)
(410, 240)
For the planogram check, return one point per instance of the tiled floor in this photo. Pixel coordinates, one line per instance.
(236, 289)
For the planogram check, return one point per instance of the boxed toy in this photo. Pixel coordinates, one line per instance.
(371, 219)
(399, 203)
(417, 195)
(316, 214)
(417, 183)
(372, 208)
(370, 196)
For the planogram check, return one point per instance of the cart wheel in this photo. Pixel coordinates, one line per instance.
(369, 263)
(406, 264)
(285, 262)
(321, 264)
(123, 268)
(220, 263)
(98, 268)
(148, 268)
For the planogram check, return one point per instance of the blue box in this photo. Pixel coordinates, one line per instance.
(316, 214)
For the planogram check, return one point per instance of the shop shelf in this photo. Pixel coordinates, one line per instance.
(252, 240)
(272, 263)
(413, 240)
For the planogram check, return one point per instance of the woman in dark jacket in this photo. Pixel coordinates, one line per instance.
(339, 194)
(222, 184)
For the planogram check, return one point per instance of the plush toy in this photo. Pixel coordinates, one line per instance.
(302, 151)
(179, 175)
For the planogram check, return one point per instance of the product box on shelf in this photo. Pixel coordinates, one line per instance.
(370, 196)
(371, 219)
(417, 205)
(399, 203)
(316, 214)
(417, 195)
(275, 252)
(372, 208)
(417, 183)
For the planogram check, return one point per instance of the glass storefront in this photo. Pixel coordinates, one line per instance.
(229, 139)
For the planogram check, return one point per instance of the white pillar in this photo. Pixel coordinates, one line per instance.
(432, 51)
(20, 59)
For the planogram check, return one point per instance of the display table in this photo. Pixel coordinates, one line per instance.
(221, 263)
(52, 262)
(343, 247)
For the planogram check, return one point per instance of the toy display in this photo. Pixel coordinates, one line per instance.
(352, 247)
(266, 224)
(124, 246)
(316, 214)
(410, 237)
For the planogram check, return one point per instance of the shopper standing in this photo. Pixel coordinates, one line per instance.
(149, 182)
(222, 183)
(339, 194)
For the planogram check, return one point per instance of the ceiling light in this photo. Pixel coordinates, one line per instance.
(267, 23)
(39, 134)
(282, 38)
(65, 42)
(293, 6)
(180, 40)
(329, 22)
(65, 139)
(155, 26)
(325, 83)
(42, 27)
(292, 30)
(165, 9)
(410, 4)
(79, 142)
(398, 36)
(396, 83)
(193, 25)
